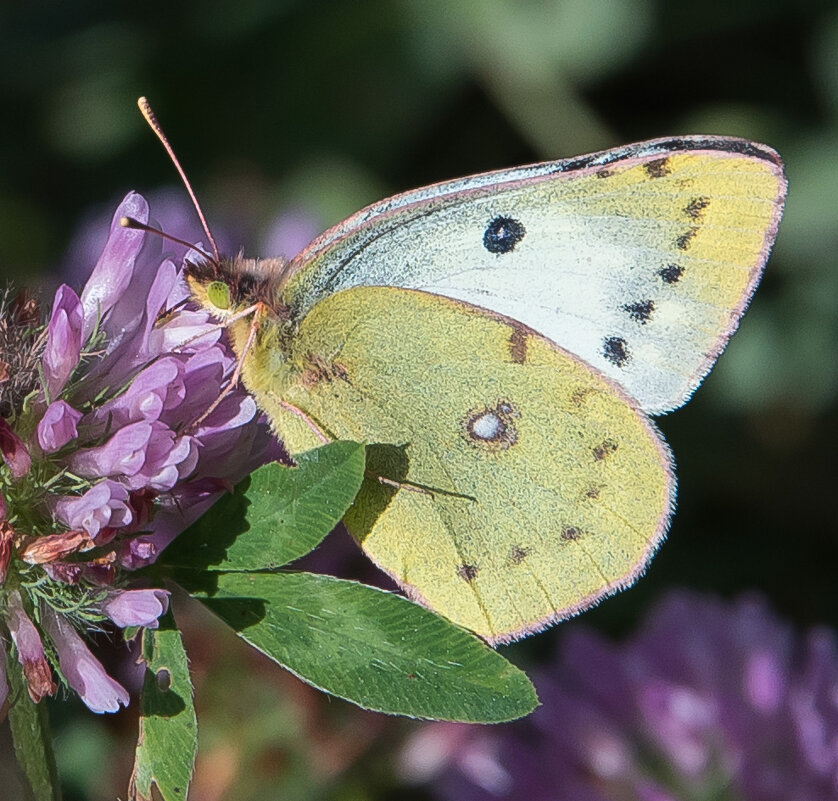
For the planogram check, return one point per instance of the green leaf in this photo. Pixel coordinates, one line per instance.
(31, 735)
(168, 728)
(276, 515)
(371, 647)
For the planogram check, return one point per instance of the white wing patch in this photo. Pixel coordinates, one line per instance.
(637, 261)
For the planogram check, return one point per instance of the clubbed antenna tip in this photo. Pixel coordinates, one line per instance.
(151, 119)
(136, 225)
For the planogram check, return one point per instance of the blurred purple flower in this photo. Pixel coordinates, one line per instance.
(107, 455)
(708, 700)
(290, 232)
(169, 204)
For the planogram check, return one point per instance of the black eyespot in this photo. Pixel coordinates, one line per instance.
(615, 349)
(503, 234)
(640, 311)
(671, 273)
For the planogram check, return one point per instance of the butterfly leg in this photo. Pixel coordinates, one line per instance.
(325, 440)
(304, 417)
(215, 327)
(398, 485)
(257, 310)
(164, 314)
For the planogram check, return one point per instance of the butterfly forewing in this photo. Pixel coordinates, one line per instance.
(639, 260)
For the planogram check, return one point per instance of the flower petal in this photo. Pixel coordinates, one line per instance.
(175, 513)
(13, 450)
(7, 537)
(64, 340)
(122, 455)
(104, 504)
(50, 547)
(83, 671)
(115, 268)
(58, 426)
(136, 607)
(30, 649)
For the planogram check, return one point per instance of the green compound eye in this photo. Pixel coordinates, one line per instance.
(219, 295)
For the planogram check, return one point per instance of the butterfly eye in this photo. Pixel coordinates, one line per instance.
(219, 295)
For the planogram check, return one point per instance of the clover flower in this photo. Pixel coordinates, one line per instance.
(107, 454)
(708, 700)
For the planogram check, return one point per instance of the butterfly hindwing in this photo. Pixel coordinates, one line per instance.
(531, 485)
(639, 260)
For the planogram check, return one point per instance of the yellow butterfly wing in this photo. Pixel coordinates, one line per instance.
(639, 260)
(532, 485)
(523, 480)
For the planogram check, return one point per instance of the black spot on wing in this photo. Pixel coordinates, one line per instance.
(518, 553)
(502, 234)
(640, 311)
(671, 274)
(468, 573)
(518, 344)
(684, 241)
(571, 533)
(695, 208)
(615, 350)
(657, 168)
(604, 449)
(579, 397)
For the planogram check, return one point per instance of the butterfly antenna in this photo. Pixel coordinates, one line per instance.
(151, 119)
(130, 222)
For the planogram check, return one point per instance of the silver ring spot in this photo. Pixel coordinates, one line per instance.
(491, 427)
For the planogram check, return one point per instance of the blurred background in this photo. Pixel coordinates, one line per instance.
(289, 115)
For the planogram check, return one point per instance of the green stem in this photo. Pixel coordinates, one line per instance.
(32, 737)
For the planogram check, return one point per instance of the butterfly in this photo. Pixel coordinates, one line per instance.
(499, 342)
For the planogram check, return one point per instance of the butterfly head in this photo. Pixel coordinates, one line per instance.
(230, 286)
